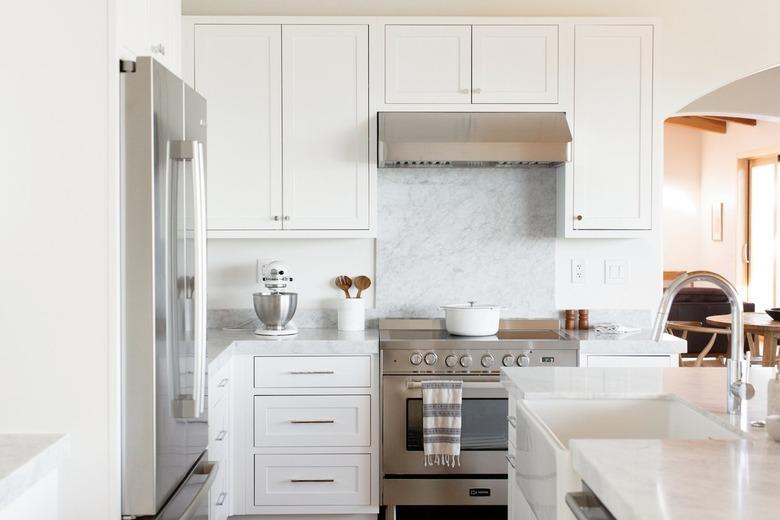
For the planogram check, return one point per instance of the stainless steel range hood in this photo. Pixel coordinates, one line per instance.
(472, 139)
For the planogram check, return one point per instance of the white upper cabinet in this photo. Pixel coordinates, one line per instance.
(150, 28)
(515, 64)
(612, 146)
(428, 64)
(325, 131)
(466, 64)
(238, 70)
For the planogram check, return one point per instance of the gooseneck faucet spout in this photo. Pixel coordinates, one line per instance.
(738, 366)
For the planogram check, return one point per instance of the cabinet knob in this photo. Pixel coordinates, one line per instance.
(464, 91)
(287, 218)
(276, 218)
(578, 217)
(476, 91)
(159, 49)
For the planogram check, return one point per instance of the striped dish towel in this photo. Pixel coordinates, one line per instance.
(441, 422)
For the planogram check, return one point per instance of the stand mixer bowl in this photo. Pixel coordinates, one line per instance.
(275, 309)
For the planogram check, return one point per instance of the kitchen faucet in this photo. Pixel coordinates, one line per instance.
(738, 366)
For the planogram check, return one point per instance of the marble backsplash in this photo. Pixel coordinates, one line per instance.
(458, 235)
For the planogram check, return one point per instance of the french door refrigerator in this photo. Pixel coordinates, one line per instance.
(165, 471)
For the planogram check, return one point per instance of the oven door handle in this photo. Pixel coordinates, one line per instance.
(486, 385)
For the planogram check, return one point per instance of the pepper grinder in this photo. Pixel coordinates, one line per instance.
(571, 317)
(584, 325)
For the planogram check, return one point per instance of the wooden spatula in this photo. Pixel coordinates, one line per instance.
(344, 283)
(362, 283)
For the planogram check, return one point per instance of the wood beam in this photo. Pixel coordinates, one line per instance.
(738, 120)
(701, 123)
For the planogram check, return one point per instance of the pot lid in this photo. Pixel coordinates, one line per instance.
(472, 305)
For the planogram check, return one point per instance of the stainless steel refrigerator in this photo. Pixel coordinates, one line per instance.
(165, 471)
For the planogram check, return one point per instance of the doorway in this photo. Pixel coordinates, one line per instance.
(763, 245)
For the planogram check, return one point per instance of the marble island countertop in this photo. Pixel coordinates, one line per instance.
(25, 459)
(320, 342)
(671, 479)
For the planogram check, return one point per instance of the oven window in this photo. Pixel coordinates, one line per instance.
(483, 425)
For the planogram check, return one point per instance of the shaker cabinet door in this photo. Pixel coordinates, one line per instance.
(238, 70)
(428, 64)
(515, 64)
(612, 148)
(325, 131)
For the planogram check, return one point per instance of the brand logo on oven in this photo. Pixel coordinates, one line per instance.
(479, 492)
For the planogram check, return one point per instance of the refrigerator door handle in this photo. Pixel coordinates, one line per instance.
(199, 293)
(192, 152)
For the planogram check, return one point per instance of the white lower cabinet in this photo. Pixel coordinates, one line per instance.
(305, 437)
(219, 441)
(326, 479)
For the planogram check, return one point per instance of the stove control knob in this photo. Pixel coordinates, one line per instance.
(508, 360)
(465, 361)
(451, 360)
(523, 360)
(415, 359)
(487, 360)
(431, 358)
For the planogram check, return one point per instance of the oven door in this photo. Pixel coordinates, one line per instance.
(483, 426)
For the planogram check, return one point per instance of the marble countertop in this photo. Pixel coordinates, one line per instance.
(671, 479)
(25, 459)
(640, 342)
(323, 342)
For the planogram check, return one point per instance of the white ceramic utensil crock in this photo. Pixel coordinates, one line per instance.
(472, 319)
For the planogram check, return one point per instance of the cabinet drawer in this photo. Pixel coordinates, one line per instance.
(337, 479)
(312, 420)
(313, 372)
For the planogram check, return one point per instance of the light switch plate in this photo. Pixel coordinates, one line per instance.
(615, 272)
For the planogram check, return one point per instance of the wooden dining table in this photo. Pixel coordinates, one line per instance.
(756, 324)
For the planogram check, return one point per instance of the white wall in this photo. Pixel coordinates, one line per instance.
(314, 265)
(702, 170)
(682, 212)
(58, 349)
(720, 182)
(702, 44)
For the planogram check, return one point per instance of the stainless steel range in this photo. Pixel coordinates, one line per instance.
(414, 350)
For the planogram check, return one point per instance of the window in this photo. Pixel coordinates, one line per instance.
(763, 244)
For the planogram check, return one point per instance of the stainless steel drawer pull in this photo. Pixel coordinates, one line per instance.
(220, 436)
(312, 372)
(511, 460)
(223, 383)
(221, 498)
(316, 480)
(313, 421)
(511, 419)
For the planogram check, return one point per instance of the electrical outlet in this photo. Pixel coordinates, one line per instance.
(578, 271)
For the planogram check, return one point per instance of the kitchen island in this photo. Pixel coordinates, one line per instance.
(650, 478)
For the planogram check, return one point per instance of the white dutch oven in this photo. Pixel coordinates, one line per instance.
(472, 319)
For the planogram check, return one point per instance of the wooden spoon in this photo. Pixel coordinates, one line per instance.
(344, 283)
(362, 283)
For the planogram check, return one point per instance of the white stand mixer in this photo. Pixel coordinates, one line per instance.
(275, 308)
